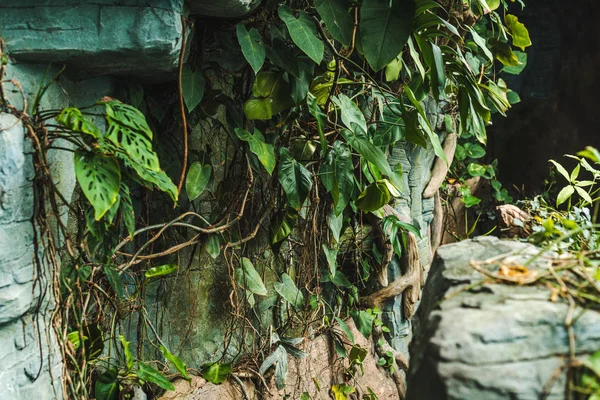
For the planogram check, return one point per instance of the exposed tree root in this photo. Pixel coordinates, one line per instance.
(409, 284)
(440, 168)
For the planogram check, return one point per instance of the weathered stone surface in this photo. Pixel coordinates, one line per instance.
(496, 341)
(223, 8)
(141, 38)
(29, 365)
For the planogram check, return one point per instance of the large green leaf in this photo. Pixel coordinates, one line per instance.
(264, 151)
(176, 361)
(384, 29)
(149, 374)
(157, 178)
(375, 196)
(363, 320)
(252, 46)
(216, 373)
(352, 116)
(128, 116)
(192, 85)
(197, 179)
(337, 18)
(519, 32)
(283, 225)
(303, 32)
(294, 178)
(271, 95)
(288, 290)
(107, 386)
(99, 177)
(321, 118)
(248, 278)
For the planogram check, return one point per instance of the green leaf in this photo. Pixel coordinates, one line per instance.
(248, 278)
(264, 151)
(75, 340)
(179, 365)
(344, 327)
(561, 170)
(303, 32)
(393, 69)
(340, 391)
(127, 211)
(476, 169)
(99, 177)
(364, 321)
(158, 178)
(288, 290)
(482, 44)
(584, 195)
(352, 116)
(197, 179)
(384, 29)
(282, 227)
(161, 270)
(564, 194)
(213, 246)
(331, 256)
(519, 32)
(321, 118)
(107, 386)
(342, 171)
(337, 18)
(517, 69)
(375, 196)
(216, 373)
(114, 279)
(474, 150)
(503, 53)
(127, 351)
(335, 224)
(149, 374)
(252, 46)
(294, 178)
(192, 85)
(279, 358)
(73, 119)
(271, 95)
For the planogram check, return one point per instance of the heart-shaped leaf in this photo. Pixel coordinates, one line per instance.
(303, 32)
(295, 179)
(264, 151)
(248, 278)
(197, 179)
(192, 85)
(252, 46)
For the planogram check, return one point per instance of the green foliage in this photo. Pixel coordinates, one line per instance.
(160, 270)
(248, 278)
(197, 179)
(252, 46)
(148, 374)
(192, 85)
(216, 373)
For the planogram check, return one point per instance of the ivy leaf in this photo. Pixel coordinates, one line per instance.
(149, 374)
(295, 179)
(161, 270)
(375, 196)
(100, 178)
(107, 387)
(176, 361)
(519, 32)
(337, 19)
(252, 46)
(216, 373)
(248, 278)
(264, 151)
(197, 179)
(303, 32)
(476, 169)
(289, 291)
(384, 29)
(192, 85)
